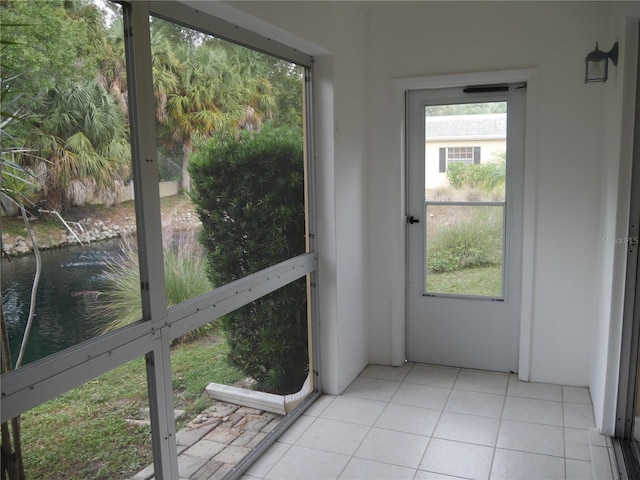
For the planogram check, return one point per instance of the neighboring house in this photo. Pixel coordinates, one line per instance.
(467, 139)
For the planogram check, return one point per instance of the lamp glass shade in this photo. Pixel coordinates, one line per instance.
(597, 71)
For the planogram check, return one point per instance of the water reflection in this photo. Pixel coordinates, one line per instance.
(68, 285)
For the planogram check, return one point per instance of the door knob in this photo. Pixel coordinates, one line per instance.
(413, 220)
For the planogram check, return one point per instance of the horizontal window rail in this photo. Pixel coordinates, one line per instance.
(43, 380)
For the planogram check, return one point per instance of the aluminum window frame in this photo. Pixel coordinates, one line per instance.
(45, 379)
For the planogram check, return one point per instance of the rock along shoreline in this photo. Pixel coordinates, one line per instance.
(85, 231)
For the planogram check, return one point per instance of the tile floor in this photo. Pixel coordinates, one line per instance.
(430, 422)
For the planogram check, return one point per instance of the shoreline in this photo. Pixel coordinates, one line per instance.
(88, 231)
(92, 224)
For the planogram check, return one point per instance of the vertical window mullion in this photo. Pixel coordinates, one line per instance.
(149, 233)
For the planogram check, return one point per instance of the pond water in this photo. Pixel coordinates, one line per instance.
(69, 280)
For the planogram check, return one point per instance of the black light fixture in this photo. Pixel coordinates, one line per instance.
(597, 64)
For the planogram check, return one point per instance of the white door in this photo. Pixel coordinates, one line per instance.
(464, 226)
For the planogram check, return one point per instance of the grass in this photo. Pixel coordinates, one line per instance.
(485, 281)
(185, 278)
(47, 225)
(84, 433)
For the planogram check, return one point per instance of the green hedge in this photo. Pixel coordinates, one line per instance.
(249, 192)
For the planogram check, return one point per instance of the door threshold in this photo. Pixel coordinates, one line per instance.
(627, 458)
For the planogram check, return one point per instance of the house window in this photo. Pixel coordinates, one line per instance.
(464, 155)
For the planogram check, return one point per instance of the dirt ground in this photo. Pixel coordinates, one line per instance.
(178, 214)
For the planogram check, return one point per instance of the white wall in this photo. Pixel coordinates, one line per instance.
(571, 171)
(614, 216)
(499, 36)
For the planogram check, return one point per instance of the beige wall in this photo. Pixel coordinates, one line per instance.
(433, 178)
(125, 192)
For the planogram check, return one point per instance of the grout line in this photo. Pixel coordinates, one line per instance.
(495, 446)
(444, 406)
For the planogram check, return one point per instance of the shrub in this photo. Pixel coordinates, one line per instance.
(466, 244)
(456, 174)
(185, 278)
(249, 193)
(484, 176)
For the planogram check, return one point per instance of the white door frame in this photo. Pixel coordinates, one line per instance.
(530, 76)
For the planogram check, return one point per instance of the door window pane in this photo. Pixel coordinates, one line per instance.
(465, 152)
(465, 185)
(465, 249)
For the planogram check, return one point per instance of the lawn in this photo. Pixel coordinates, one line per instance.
(84, 433)
(485, 281)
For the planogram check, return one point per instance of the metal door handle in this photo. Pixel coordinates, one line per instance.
(413, 220)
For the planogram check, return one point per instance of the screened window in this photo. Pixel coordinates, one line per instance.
(215, 286)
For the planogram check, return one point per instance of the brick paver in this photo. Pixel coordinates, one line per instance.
(217, 440)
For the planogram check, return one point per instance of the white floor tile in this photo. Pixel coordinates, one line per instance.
(300, 463)
(540, 391)
(361, 469)
(576, 395)
(424, 396)
(354, 410)
(383, 372)
(596, 439)
(601, 463)
(426, 422)
(433, 375)
(512, 465)
(576, 444)
(475, 403)
(268, 459)
(422, 475)
(396, 448)
(458, 459)
(372, 388)
(484, 382)
(532, 438)
(333, 436)
(578, 470)
(408, 419)
(467, 428)
(294, 431)
(319, 405)
(534, 411)
(578, 416)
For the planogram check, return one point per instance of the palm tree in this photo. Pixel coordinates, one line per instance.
(196, 108)
(84, 140)
(221, 87)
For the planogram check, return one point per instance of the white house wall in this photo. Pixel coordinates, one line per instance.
(567, 156)
(363, 48)
(499, 36)
(616, 189)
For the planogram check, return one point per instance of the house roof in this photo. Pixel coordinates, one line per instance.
(466, 127)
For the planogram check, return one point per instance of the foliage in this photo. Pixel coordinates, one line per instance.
(52, 44)
(288, 90)
(185, 278)
(476, 242)
(250, 198)
(84, 138)
(485, 281)
(485, 176)
(84, 433)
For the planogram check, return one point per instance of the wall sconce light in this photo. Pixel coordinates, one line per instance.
(597, 64)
